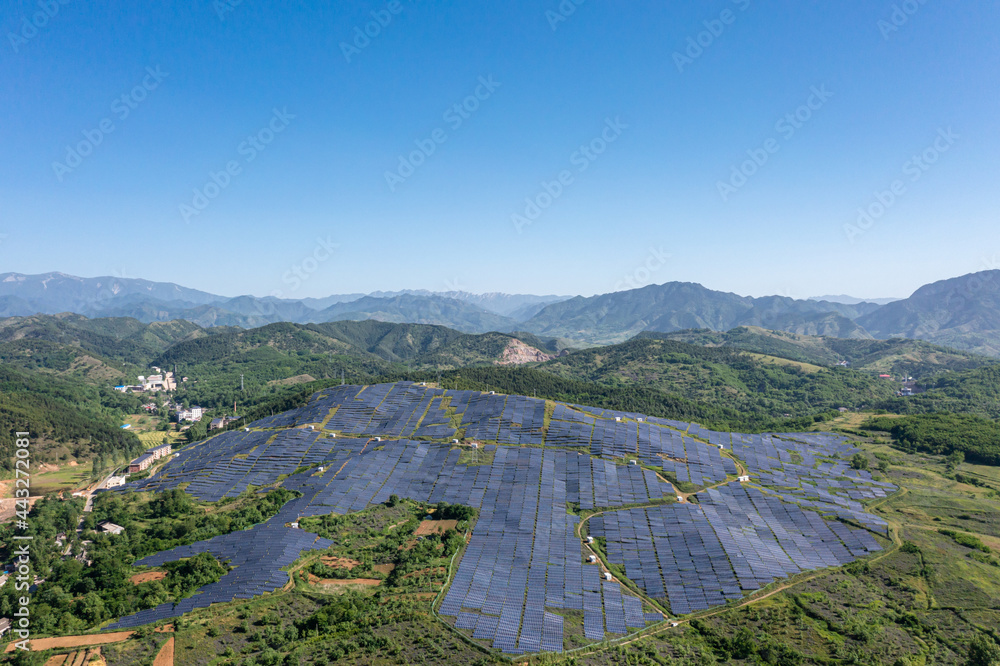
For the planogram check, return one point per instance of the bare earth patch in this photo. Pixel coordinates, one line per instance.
(518, 353)
(91, 657)
(166, 655)
(297, 379)
(8, 507)
(339, 562)
(40, 644)
(148, 576)
(337, 582)
(434, 527)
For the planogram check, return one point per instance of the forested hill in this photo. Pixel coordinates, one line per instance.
(724, 376)
(67, 419)
(900, 357)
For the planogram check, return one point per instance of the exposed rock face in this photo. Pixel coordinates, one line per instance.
(518, 353)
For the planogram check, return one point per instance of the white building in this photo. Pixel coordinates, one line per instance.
(193, 414)
(110, 528)
(116, 481)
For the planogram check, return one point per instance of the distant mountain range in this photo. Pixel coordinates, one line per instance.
(52, 293)
(851, 300)
(963, 312)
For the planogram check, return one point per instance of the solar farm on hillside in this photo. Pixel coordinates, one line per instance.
(528, 560)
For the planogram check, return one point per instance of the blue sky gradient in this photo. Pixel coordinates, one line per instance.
(894, 76)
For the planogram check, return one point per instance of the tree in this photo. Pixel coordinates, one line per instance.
(983, 651)
(954, 459)
(859, 461)
(91, 608)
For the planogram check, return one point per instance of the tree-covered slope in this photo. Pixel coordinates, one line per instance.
(899, 357)
(722, 376)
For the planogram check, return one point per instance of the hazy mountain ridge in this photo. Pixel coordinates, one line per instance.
(852, 300)
(52, 293)
(962, 312)
(676, 306)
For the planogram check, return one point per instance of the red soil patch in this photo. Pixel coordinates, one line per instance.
(80, 658)
(148, 576)
(339, 562)
(434, 527)
(39, 644)
(337, 582)
(166, 655)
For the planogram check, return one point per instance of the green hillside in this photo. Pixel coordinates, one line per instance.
(723, 376)
(899, 357)
(66, 419)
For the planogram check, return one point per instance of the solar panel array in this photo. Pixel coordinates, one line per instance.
(523, 561)
(513, 419)
(812, 469)
(524, 558)
(736, 541)
(257, 556)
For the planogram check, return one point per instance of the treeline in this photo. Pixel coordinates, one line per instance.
(534, 382)
(627, 398)
(722, 377)
(978, 439)
(972, 392)
(171, 518)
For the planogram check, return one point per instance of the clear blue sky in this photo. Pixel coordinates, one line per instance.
(678, 129)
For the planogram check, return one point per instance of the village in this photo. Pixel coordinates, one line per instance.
(181, 414)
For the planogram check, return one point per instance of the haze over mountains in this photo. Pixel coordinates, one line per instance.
(962, 312)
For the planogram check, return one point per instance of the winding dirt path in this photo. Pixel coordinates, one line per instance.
(166, 654)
